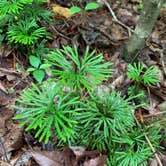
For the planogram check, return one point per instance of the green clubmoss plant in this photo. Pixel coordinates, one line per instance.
(103, 122)
(104, 118)
(49, 111)
(78, 71)
(20, 21)
(25, 32)
(132, 148)
(140, 75)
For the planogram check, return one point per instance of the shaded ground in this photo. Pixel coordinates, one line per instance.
(100, 31)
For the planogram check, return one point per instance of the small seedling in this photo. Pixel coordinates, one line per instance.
(89, 6)
(37, 68)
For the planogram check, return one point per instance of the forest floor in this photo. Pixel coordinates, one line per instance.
(99, 30)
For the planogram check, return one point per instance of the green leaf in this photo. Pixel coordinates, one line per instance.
(45, 66)
(31, 69)
(75, 9)
(91, 6)
(164, 5)
(34, 61)
(39, 75)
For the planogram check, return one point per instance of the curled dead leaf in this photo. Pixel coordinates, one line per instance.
(98, 161)
(61, 11)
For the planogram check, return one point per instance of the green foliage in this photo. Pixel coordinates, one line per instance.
(12, 7)
(1, 36)
(134, 90)
(75, 9)
(20, 21)
(132, 148)
(104, 118)
(37, 68)
(89, 6)
(148, 77)
(140, 6)
(78, 71)
(140, 75)
(164, 5)
(34, 61)
(25, 32)
(48, 110)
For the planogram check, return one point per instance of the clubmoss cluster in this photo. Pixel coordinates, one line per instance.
(98, 122)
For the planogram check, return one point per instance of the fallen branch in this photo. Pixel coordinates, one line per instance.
(116, 19)
(6, 71)
(153, 150)
(151, 146)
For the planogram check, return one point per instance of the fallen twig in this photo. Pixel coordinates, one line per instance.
(4, 151)
(151, 146)
(6, 71)
(116, 19)
(153, 150)
(155, 114)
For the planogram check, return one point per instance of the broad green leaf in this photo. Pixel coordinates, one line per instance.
(31, 69)
(91, 6)
(39, 75)
(34, 61)
(75, 9)
(45, 66)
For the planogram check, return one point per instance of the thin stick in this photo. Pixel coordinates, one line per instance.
(8, 71)
(155, 114)
(151, 146)
(60, 34)
(116, 19)
(153, 150)
(4, 151)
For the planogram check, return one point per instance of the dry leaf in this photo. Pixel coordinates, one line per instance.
(3, 163)
(2, 88)
(118, 81)
(44, 158)
(62, 11)
(98, 161)
(78, 151)
(55, 158)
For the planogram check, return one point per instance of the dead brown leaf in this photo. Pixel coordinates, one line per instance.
(126, 17)
(98, 161)
(5, 51)
(11, 135)
(55, 158)
(3, 163)
(2, 88)
(62, 11)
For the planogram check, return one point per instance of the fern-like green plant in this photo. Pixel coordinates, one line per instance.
(79, 71)
(138, 73)
(132, 148)
(25, 32)
(104, 118)
(20, 21)
(12, 6)
(48, 110)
